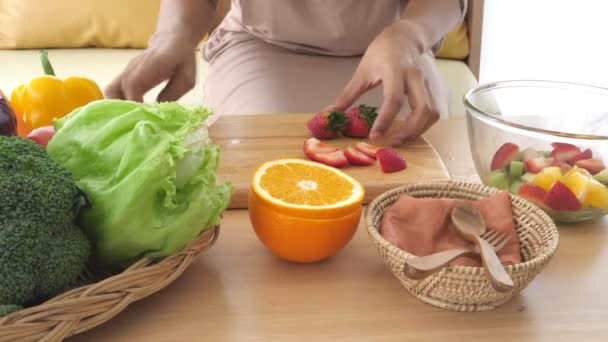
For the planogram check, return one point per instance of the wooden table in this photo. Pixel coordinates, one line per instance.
(238, 292)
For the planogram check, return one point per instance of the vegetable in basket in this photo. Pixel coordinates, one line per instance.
(149, 173)
(42, 251)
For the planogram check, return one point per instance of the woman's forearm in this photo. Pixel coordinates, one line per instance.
(433, 19)
(190, 18)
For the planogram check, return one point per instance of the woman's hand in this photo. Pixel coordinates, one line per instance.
(396, 60)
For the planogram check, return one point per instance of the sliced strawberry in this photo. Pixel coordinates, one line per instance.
(327, 125)
(529, 154)
(559, 197)
(335, 159)
(564, 152)
(536, 165)
(594, 166)
(505, 155)
(367, 149)
(390, 161)
(356, 157)
(586, 154)
(360, 121)
(315, 146)
(532, 193)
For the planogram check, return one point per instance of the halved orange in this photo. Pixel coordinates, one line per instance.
(304, 211)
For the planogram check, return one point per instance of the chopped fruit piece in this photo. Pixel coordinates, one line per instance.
(516, 169)
(532, 193)
(499, 179)
(334, 159)
(538, 164)
(586, 154)
(514, 187)
(367, 149)
(559, 197)
(602, 177)
(578, 170)
(546, 154)
(327, 125)
(564, 152)
(594, 166)
(505, 154)
(528, 177)
(314, 146)
(360, 121)
(529, 154)
(576, 182)
(547, 177)
(356, 157)
(390, 161)
(564, 167)
(597, 195)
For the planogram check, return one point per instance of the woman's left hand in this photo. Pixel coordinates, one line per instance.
(396, 60)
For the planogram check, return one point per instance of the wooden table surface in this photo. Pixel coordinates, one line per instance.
(237, 291)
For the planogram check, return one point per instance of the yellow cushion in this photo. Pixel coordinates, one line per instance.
(455, 44)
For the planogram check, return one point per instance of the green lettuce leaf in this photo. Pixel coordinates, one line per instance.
(149, 174)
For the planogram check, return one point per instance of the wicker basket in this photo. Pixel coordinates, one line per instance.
(463, 288)
(99, 298)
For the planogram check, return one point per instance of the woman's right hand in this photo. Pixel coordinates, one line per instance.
(170, 57)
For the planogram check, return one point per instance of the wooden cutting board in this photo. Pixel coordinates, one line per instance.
(248, 141)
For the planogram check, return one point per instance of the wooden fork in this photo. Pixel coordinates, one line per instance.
(421, 267)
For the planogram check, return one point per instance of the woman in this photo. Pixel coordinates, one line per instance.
(297, 55)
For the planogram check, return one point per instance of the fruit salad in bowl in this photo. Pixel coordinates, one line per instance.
(544, 141)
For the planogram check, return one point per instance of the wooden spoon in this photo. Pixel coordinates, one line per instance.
(470, 224)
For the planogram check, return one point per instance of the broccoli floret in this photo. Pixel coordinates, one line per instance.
(42, 250)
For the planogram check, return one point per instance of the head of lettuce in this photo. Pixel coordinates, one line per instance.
(149, 173)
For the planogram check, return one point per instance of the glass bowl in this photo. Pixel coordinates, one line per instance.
(544, 141)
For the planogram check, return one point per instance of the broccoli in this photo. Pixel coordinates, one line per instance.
(42, 250)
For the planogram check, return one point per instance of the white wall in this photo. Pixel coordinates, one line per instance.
(545, 39)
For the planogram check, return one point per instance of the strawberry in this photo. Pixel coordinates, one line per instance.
(532, 193)
(356, 157)
(367, 149)
(505, 155)
(360, 121)
(314, 146)
(586, 154)
(564, 152)
(559, 197)
(594, 166)
(390, 161)
(327, 125)
(536, 165)
(335, 159)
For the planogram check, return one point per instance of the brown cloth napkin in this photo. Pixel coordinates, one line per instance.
(423, 226)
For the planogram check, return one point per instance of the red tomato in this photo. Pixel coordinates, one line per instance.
(42, 135)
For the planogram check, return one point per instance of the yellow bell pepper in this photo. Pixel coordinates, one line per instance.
(47, 97)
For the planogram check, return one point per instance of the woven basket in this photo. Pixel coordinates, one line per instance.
(463, 288)
(98, 298)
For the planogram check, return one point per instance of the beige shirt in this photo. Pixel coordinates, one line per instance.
(325, 27)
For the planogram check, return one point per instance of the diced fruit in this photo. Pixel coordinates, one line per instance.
(356, 157)
(547, 177)
(516, 169)
(314, 146)
(499, 179)
(514, 187)
(559, 197)
(538, 164)
(528, 177)
(586, 154)
(367, 149)
(597, 195)
(532, 193)
(594, 166)
(334, 159)
(578, 170)
(360, 121)
(507, 153)
(564, 167)
(390, 161)
(576, 182)
(564, 152)
(602, 177)
(327, 125)
(546, 154)
(529, 154)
